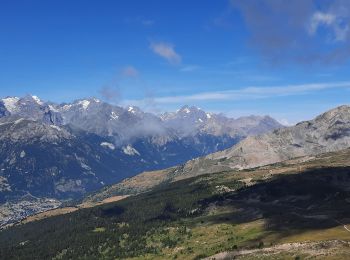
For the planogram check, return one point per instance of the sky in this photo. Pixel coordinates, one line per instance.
(287, 59)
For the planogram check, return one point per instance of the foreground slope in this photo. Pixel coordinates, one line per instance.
(295, 209)
(327, 132)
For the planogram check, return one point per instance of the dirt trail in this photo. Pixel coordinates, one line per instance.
(345, 227)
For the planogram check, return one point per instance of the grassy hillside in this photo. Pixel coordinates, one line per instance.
(289, 210)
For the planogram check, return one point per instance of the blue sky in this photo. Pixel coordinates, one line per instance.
(288, 60)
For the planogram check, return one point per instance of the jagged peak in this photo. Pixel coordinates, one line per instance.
(188, 109)
(10, 98)
(31, 98)
(133, 109)
(37, 99)
(10, 103)
(84, 103)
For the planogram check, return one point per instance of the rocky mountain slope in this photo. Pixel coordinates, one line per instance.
(327, 132)
(53, 152)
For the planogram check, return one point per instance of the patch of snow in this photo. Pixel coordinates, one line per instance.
(108, 145)
(10, 103)
(37, 100)
(285, 122)
(66, 107)
(18, 121)
(84, 104)
(129, 150)
(52, 108)
(85, 166)
(186, 110)
(56, 127)
(200, 120)
(97, 100)
(208, 116)
(114, 115)
(131, 110)
(22, 154)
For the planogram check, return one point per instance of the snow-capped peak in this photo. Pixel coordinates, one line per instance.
(37, 100)
(133, 110)
(10, 103)
(186, 110)
(84, 103)
(67, 107)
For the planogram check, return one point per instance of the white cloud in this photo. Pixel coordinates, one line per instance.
(248, 93)
(130, 71)
(330, 20)
(167, 51)
(285, 122)
(319, 19)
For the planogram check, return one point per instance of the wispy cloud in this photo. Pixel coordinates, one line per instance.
(130, 71)
(166, 51)
(111, 94)
(248, 93)
(329, 20)
(189, 68)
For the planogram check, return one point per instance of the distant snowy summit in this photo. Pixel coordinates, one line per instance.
(129, 123)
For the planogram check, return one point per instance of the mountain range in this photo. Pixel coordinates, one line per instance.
(55, 152)
(281, 194)
(328, 132)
